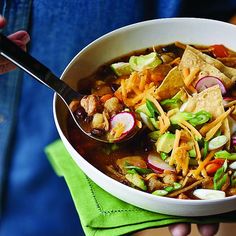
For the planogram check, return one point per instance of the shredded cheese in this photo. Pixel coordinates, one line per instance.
(197, 150)
(149, 176)
(175, 146)
(165, 123)
(191, 77)
(118, 130)
(176, 61)
(123, 89)
(220, 118)
(232, 103)
(192, 89)
(202, 164)
(191, 128)
(185, 72)
(212, 131)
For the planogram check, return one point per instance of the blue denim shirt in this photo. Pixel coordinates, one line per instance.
(34, 200)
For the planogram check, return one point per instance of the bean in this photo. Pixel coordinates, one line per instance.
(97, 132)
(80, 113)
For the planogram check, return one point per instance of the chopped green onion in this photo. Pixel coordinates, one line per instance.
(172, 103)
(180, 116)
(226, 155)
(137, 169)
(169, 188)
(160, 192)
(132, 171)
(217, 142)
(152, 108)
(192, 153)
(220, 178)
(177, 185)
(222, 181)
(163, 156)
(200, 118)
(205, 149)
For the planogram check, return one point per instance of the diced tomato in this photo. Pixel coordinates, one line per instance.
(106, 97)
(214, 165)
(219, 50)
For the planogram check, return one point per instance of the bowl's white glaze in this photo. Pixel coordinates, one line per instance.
(118, 43)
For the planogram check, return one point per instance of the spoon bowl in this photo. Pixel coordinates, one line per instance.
(40, 72)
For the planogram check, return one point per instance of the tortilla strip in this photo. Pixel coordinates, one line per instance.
(228, 71)
(193, 59)
(210, 100)
(172, 83)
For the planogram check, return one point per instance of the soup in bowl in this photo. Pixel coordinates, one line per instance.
(172, 81)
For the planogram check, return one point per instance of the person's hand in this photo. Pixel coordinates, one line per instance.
(21, 38)
(185, 229)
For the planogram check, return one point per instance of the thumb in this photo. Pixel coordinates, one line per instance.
(2, 22)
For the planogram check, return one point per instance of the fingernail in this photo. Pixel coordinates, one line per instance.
(2, 21)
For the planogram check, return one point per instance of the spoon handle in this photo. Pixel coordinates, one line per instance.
(29, 64)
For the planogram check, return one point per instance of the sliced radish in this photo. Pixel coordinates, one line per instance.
(208, 194)
(209, 81)
(229, 99)
(217, 142)
(157, 164)
(233, 165)
(124, 119)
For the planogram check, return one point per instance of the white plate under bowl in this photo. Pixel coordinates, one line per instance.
(120, 42)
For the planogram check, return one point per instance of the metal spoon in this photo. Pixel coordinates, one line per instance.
(22, 59)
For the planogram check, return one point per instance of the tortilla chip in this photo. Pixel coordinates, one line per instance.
(193, 58)
(172, 83)
(210, 100)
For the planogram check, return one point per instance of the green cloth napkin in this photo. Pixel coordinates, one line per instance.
(103, 214)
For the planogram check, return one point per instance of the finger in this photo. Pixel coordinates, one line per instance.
(21, 35)
(180, 229)
(20, 44)
(208, 229)
(2, 22)
(6, 65)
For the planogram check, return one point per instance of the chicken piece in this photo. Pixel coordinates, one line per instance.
(183, 196)
(98, 121)
(154, 184)
(113, 106)
(91, 104)
(208, 183)
(101, 88)
(169, 178)
(231, 191)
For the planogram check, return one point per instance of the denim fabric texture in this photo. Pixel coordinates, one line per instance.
(35, 201)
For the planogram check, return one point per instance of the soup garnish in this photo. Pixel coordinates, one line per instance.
(182, 100)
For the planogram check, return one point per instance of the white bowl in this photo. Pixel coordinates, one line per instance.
(123, 41)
